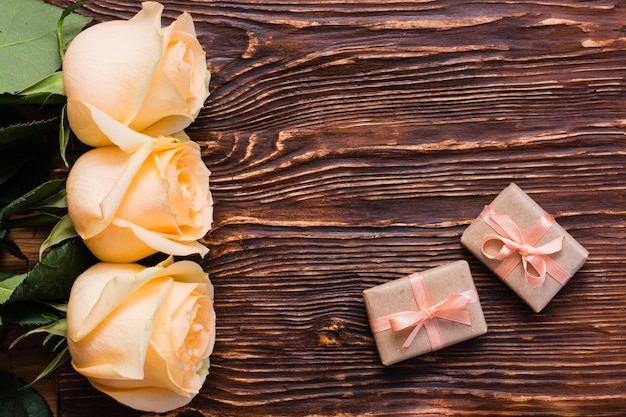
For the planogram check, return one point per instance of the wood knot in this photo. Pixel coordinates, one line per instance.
(330, 333)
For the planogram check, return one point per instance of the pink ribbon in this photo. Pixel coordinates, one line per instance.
(450, 309)
(518, 247)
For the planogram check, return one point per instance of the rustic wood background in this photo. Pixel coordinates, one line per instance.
(351, 143)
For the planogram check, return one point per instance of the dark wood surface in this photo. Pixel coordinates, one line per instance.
(351, 143)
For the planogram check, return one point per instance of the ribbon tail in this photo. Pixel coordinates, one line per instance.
(459, 316)
(411, 336)
(402, 320)
(553, 246)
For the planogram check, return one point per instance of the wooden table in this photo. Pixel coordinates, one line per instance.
(351, 143)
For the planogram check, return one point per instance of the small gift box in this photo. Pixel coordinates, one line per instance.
(523, 245)
(424, 312)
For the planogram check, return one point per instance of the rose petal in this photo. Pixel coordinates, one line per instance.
(102, 67)
(118, 244)
(90, 180)
(163, 341)
(163, 243)
(97, 184)
(183, 30)
(96, 128)
(188, 176)
(147, 200)
(121, 281)
(113, 338)
(89, 286)
(181, 81)
(154, 399)
(163, 100)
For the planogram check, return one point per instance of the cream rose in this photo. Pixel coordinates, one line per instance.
(131, 73)
(127, 206)
(143, 335)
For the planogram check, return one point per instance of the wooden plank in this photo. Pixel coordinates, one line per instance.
(350, 144)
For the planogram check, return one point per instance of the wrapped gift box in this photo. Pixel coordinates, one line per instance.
(424, 311)
(523, 245)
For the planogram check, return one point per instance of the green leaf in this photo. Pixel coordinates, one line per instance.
(15, 402)
(11, 248)
(32, 198)
(30, 314)
(10, 166)
(24, 135)
(28, 42)
(8, 286)
(23, 156)
(4, 275)
(32, 174)
(59, 307)
(55, 201)
(50, 90)
(63, 230)
(62, 357)
(52, 278)
(60, 35)
(56, 328)
(64, 135)
(51, 85)
(37, 220)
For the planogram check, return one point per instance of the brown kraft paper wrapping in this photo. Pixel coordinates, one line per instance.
(525, 212)
(396, 296)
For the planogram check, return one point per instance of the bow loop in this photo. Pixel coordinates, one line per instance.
(554, 246)
(406, 319)
(519, 247)
(452, 309)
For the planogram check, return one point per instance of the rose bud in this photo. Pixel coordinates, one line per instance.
(127, 206)
(143, 335)
(131, 73)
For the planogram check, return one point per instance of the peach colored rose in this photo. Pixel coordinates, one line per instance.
(131, 73)
(143, 335)
(127, 206)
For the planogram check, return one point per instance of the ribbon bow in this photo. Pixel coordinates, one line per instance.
(518, 247)
(450, 308)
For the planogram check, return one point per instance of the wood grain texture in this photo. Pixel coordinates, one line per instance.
(351, 143)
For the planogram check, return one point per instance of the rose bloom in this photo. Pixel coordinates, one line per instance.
(143, 335)
(131, 73)
(127, 206)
